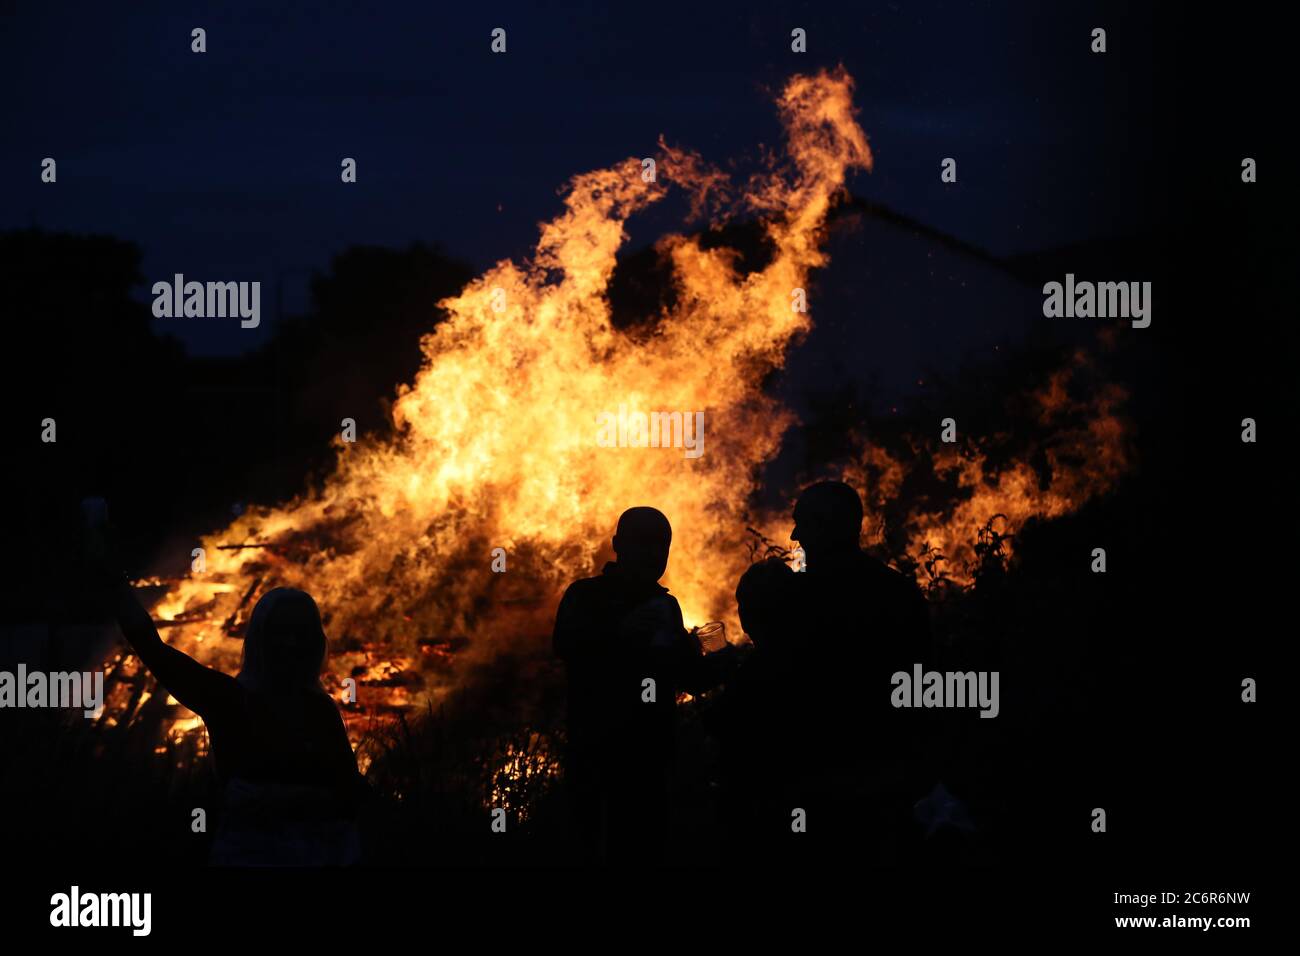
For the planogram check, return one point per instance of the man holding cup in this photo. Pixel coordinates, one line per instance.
(627, 655)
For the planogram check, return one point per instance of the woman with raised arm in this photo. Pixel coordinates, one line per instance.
(289, 778)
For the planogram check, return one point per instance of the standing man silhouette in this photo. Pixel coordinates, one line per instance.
(856, 757)
(627, 655)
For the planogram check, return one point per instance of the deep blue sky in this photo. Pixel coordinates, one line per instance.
(225, 165)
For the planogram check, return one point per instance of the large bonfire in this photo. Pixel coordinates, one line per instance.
(496, 443)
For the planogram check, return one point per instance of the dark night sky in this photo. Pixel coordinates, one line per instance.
(226, 165)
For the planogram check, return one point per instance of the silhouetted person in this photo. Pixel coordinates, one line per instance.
(857, 758)
(291, 790)
(614, 632)
(753, 712)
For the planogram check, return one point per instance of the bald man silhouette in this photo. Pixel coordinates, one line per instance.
(614, 633)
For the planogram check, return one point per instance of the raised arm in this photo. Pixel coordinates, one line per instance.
(203, 690)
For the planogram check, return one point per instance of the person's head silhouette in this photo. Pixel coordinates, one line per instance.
(641, 543)
(763, 601)
(827, 521)
(284, 647)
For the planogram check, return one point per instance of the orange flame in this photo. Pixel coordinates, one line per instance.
(1087, 453)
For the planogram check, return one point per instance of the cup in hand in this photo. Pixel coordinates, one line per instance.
(712, 636)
